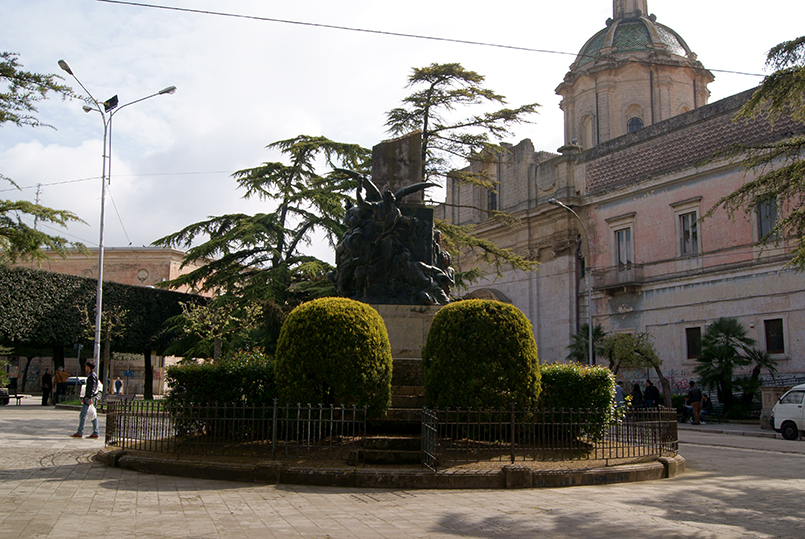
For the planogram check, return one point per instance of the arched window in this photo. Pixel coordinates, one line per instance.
(587, 132)
(634, 124)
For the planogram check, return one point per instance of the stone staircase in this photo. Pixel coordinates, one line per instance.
(391, 450)
(396, 438)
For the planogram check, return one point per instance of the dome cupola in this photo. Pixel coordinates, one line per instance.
(633, 73)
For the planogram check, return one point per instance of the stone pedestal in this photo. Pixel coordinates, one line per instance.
(408, 327)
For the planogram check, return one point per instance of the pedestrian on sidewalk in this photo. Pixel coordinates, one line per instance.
(90, 388)
(47, 384)
(60, 379)
(707, 407)
(651, 396)
(620, 395)
(694, 398)
(637, 396)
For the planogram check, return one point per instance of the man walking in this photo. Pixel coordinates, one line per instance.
(60, 379)
(47, 385)
(90, 389)
(694, 397)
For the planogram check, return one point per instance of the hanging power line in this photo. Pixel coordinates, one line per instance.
(49, 184)
(116, 176)
(368, 31)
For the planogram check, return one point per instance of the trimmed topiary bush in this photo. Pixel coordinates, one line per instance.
(570, 386)
(335, 351)
(481, 354)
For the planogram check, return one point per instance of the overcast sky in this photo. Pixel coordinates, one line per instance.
(244, 83)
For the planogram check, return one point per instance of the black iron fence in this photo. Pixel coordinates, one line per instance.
(272, 430)
(451, 437)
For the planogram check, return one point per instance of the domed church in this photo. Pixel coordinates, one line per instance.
(640, 166)
(633, 73)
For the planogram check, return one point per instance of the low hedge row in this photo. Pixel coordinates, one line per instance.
(334, 350)
(244, 378)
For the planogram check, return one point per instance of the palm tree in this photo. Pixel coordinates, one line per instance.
(750, 384)
(579, 348)
(721, 346)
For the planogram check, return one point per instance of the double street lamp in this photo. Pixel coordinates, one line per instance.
(588, 271)
(107, 110)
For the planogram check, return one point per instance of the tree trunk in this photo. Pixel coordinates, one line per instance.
(666, 387)
(24, 375)
(148, 389)
(58, 356)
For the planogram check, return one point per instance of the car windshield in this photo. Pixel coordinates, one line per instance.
(793, 397)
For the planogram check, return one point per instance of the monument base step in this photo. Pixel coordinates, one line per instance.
(392, 450)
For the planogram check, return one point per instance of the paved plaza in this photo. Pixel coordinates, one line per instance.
(735, 486)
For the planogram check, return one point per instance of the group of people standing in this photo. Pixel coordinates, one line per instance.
(59, 381)
(648, 398)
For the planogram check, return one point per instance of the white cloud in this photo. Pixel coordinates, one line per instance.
(244, 83)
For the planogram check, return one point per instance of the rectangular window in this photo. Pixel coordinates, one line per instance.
(694, 342)
(491, 200)
(623, 239)
(766, 217)
(689, 234)
(775, 344)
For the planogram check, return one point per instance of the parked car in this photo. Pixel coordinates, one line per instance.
(81, 381)
(788, 415)
(75, 386)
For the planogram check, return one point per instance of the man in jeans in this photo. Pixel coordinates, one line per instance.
(694, 397)
(89, 392)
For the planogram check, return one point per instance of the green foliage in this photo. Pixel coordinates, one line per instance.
(579, 350)
(722, 343)
(570, 385)
(780, 165)
(335, 351)
(23, 90)
(449, 143)
(481, 354)
(630, 351)
(244, 377)
(257, 257)
(441, 88)
(19, 239)
(3, 363)
(42, 309)
(462, 240)
(586, 388)
(205, 327)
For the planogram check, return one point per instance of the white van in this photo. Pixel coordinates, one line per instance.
(788, 415)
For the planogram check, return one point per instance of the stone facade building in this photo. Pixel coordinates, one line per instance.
(641, 166)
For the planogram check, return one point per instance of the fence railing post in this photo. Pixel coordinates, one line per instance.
(274, 432)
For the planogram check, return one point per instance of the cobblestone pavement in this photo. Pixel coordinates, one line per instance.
(735, 486)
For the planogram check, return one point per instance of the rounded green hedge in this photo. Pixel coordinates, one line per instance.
(335, 351)
(481, 353)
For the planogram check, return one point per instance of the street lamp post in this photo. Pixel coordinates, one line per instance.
(591, 358)
(107, 110)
